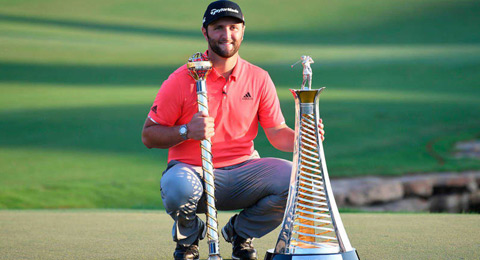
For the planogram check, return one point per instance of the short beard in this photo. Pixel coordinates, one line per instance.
(222, 53)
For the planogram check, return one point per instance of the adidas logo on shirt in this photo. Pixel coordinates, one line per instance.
(247, 96)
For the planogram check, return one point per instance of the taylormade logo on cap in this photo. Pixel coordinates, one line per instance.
(219, 9)
(216, 11)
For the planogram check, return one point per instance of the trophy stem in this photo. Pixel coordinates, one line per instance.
(199, 67)
(213, 250)
(209, 178)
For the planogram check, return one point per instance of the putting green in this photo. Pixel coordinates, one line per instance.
(124, 234)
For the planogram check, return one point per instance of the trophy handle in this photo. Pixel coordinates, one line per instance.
(199, 67)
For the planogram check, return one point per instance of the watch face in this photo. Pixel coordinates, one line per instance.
(183, 130)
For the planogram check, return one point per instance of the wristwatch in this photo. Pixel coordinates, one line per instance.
(183, 131)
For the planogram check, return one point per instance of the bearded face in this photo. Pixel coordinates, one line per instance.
(224, 48)
(225, 37)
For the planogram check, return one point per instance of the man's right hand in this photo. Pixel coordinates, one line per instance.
(201, 126)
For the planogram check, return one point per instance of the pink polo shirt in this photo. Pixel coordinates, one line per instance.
(238, 105)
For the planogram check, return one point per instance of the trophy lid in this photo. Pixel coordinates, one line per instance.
(199, 66)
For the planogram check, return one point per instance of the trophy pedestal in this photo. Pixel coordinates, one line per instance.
(350, 255)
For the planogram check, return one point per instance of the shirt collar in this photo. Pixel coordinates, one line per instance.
(236, 70)
(214, 75)
(235, 73)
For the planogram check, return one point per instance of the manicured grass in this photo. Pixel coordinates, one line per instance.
(77, 80)
(104, 234)
(57, 179)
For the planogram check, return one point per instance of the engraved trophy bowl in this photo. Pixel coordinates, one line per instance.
(199, 66)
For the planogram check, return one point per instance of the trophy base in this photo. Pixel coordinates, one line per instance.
(350, 255)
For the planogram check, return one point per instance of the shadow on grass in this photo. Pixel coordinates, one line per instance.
(84, 74)
(437, 24)
(98, 129)
(115, 28)
(117, 129)
(401, 77)
(381, 129)
(445, 23)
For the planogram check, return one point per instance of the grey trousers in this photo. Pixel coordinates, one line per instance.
(259, 187)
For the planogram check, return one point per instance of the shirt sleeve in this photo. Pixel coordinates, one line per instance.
(269, 111)
(167, 107)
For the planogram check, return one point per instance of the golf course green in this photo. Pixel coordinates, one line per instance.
(127, 234)
(77, 79)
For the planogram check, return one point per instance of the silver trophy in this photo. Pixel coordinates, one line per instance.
(311, 227)
(199, 66)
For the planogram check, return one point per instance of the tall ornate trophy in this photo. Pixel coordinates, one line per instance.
(311, 228)
(199, 66)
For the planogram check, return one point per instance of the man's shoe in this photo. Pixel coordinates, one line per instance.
(190, 252)
(242, 248)
(186, 252)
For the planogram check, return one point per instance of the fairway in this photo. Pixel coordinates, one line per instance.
(77, 80)
(108, 234)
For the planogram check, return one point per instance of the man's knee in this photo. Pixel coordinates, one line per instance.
(181, 190)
